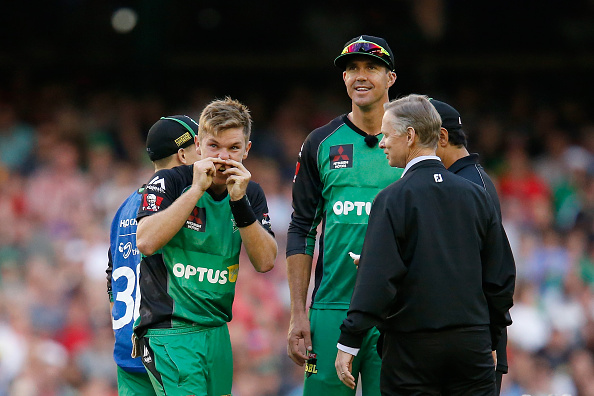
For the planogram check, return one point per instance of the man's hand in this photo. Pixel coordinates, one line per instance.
(204, 170)
(299, 329)
(344, 367)
(355, 258)
(237, 180)
(494, 353)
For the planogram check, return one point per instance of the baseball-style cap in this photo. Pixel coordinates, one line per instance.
(450, 118)
(169, 134)
(373, 46)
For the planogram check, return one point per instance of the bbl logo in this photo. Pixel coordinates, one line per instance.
(311, 364)
(341, 156)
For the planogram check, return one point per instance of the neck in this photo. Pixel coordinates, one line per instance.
(419, 152)
(368, 119)
(453, 155)
(218, 188)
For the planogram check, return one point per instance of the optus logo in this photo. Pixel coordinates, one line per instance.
(346, 207)
(206, 274)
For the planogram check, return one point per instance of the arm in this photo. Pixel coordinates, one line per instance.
(259, 243)
(155, 231)
(499, 274)
(301, 238)
(299, 273)
(260, 246)
(373, 294)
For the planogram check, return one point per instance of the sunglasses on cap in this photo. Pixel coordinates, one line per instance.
(366, 47)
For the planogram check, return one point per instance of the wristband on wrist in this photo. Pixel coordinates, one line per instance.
(242, 212)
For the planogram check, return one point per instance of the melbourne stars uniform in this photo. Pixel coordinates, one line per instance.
(336, 180)
(122, 284)
(188, 286)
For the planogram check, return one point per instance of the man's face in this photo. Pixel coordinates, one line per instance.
(367, 81)
(229, 144)
(394, 144)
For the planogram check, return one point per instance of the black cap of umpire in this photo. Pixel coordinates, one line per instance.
(169, 134)
(452, 121)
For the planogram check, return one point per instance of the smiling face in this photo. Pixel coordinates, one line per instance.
(394, 143)
(367, 81)
(227, 144)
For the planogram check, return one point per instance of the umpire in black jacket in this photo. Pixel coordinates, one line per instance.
(453, 152)
(436, 273)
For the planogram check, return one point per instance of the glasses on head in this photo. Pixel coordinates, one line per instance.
(366, 47)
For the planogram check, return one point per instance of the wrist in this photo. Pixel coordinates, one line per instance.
(242, 212)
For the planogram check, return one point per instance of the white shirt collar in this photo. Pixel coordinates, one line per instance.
(416, 160)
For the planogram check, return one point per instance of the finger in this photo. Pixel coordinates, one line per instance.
(307, 341)
(211, 170)
(236, 164)
(234, 172)
(348, 379)
(296, 355)
(232, 179)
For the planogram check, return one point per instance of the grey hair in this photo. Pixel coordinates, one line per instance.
(417, 112)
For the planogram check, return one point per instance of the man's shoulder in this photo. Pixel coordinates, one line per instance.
(321, 133)
(168, 179)
(469, 168)
(254, 187)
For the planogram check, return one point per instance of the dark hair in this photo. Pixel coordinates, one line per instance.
(457, 137)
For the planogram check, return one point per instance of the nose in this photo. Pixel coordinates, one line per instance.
(382, 144)
(361, 76)
(223, 154)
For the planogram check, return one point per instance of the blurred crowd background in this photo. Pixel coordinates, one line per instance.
(81, 82)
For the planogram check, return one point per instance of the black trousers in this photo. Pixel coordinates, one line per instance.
(453, 362)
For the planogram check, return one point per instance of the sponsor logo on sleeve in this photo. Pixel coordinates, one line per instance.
(151, 202)
(341, 156)
(266, 220)
(157, 184)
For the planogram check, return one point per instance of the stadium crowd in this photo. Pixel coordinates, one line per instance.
(68, 160)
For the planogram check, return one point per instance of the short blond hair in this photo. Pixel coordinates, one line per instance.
(223, 114)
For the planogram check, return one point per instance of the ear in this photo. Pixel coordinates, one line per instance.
(181, 156)
(197, 143)
(247, 149)
(410, 136)
(444, 137)
(392, 79)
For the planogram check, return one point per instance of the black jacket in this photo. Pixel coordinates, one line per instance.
(435, 257)
(469, 168)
